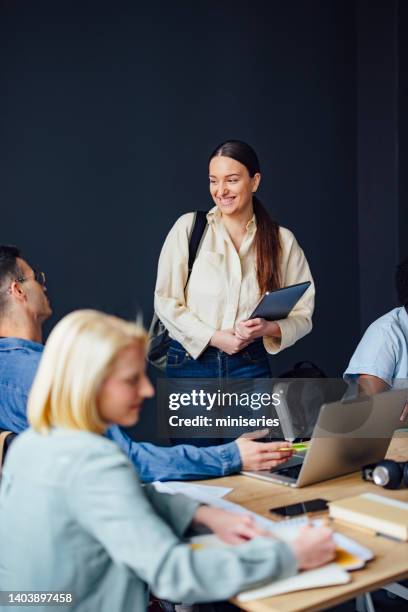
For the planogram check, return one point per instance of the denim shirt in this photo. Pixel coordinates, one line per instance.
(19, 360)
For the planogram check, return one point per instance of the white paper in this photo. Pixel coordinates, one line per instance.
(191, 490)
(323, 576)
(353, 547)
(287, 530)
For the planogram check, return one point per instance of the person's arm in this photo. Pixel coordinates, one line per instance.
(188, 462)
(169, 299)
(295, 269)
(233, 528)
(370, 385)
(135, 536)
(374, 361)
(181, 462)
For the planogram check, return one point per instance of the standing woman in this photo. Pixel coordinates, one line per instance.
(243, 254)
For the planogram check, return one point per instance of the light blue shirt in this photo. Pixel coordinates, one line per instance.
(383, 350)
(74, 517)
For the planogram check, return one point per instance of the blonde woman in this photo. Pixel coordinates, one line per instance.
(73, 515)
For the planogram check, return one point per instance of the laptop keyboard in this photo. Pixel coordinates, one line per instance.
(290, 468)
(290, 472)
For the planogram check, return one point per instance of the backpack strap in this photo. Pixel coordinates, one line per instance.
(197, 234)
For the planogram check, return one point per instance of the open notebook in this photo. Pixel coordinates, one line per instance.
(328, 575)
(349, 556)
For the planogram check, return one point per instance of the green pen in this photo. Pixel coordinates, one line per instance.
(297, 446)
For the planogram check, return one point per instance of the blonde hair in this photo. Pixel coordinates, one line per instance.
(78, 356)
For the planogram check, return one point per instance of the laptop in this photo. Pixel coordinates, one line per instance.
(347, 435)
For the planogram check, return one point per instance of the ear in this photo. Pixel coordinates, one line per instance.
(16, 292)
(256, 179)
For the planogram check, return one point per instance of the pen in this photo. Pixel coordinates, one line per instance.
(299, 446)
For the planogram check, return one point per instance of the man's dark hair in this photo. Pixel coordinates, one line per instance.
(9, 271)
(401, 282)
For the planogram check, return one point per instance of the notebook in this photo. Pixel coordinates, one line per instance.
(382, 514)
(327, 575)
(350, 555)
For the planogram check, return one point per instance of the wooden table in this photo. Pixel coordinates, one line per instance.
(391, 558)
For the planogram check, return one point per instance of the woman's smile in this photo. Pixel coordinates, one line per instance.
(226, 200)
(231, 186)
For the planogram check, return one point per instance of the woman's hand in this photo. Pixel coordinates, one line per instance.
(314, 546)
(261, 455)
(226, 340)
(257, 328)
(230, 527)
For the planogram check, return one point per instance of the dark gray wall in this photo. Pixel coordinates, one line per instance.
(109, 111)
(377, 155)
(403, 127)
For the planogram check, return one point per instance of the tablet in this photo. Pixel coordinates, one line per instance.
(277, 304)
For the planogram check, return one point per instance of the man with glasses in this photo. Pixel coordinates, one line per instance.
(24, 306)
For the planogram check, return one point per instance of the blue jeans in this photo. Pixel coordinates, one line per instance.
(251, 362)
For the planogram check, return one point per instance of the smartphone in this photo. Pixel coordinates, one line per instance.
(312, 505)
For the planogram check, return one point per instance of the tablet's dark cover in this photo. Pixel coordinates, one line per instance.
(277, 304)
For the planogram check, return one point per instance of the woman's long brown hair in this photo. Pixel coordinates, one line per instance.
(267, 241)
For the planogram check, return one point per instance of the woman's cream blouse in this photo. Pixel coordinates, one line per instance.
(223, 287)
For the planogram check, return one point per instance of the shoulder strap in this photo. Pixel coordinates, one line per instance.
(197, 233)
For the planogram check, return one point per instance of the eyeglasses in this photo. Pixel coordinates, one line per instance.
(38, 276)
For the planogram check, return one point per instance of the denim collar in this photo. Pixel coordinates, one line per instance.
(9, 343)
